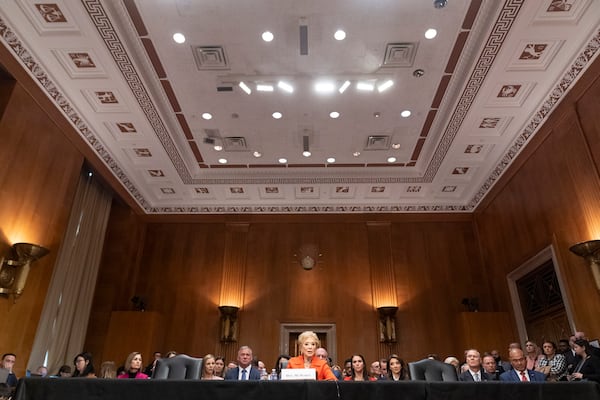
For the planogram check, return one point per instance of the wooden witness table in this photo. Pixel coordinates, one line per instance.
(130, 389)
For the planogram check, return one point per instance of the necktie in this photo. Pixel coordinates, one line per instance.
(244, 377)
(477, 378)
(524, 376)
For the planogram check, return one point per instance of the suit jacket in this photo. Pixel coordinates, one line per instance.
(591, 369)
(233, 374)
(323, 370)
(572, 360)
(514, 376)
(467, 377)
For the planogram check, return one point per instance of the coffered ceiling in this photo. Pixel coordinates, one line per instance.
(477, 92)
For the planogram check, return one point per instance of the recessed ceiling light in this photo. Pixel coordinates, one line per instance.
(430, 33)
(206, 116)
(257, 154)
(282, 160)
(405, 114)
(324, 87)
(339, 35)
(331, 160)
(377, 114)
(391, 159)
(385, 85)
(261, 87)
(218, 147)
(395, 146)
(334, 114)
(356, 153)
(306, 153)
(344, 86)
(286, 87)
(267, 36)
(179, 38)
(245, 87)
(222, 160)
(365, 86)
(277, 115)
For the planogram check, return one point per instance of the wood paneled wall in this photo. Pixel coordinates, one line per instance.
(551, 197)
(39, 169)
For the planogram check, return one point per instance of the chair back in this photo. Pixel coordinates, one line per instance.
(179, 367)
(432, 371)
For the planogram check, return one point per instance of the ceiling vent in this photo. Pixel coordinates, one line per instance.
(399, 55)
(235, 144)
(209, 58)
(378, 142)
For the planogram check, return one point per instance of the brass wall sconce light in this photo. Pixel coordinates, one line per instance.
(308, 256)
(590, 251)
(229, 323)
(15, 267)
(387, 324)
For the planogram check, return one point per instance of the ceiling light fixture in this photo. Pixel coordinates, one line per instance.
(356, 153)
(267, 36)
(344, 86)
(405, 114)
(385, 85)
(257, 154)
(334, 114)
(430, 33)
(282, 160)
(261, 87)
(245, 87)
(218, 147)
(286, 87)
(206, 116)
(376, 114)
(339, 35)
(277, 115)
(440, 3)
(222, 160)
(331, 160)
(395, 146)
(305, 148)
(417, 73)
(324, 87)
(179, 38)
(391, 159)
(365, 86)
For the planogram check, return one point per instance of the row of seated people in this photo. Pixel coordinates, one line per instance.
(578, 361)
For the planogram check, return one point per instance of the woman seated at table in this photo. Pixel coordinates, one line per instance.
(359, 372)
(589, 367)
(84, 366)
(208, 368)
(396, 369)
(133, 367)
(308, 342)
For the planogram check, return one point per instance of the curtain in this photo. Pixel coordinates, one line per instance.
(63, 324)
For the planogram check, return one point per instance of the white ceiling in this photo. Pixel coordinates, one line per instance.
(137, 97)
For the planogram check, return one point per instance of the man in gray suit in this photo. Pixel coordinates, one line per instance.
(520, 373)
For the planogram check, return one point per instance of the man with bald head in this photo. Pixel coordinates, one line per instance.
(520, 373)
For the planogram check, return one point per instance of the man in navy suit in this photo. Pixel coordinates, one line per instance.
(474, 373)
(520, 373)
(244, 371)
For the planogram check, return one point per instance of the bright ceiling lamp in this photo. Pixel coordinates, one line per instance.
(385, 85)
(334, 114)
(324, 87)
(179, 38)
(282, 160)
(261, 87)
(267, 36)
(405, 114)
(391, 159)
(286, 87)
(206, 116)
(344, 86)
(331, 160)
(339, 35)
(430, 33)
(245, 87)
(305, 147)
(277, 115)
(365, 86)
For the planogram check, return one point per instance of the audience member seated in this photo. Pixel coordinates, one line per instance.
(308, 342)
(170, 354)
(208, 368)
(84, 366)
(219, 366)
(347, 371)
(532, 354)
(488, 362)
(473, 372)
(589, 366)
(454, 362)
(520, 373)
(595, 351)
(396, 369)
(501, 365)
(8, 363)
(375, 371)
(108, 370)
(150, 367)
(552, 364)
(244, 371)
(281, 363)
(133, 367)
(359, 370)
(64, 372)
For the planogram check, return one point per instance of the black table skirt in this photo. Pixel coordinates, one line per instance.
(126, 389)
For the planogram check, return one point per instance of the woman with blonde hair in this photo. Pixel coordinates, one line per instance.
(108, 370)
(133, 367)
(208, 368)
(308, 343)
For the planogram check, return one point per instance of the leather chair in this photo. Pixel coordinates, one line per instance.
(432, 371)
(179, 367)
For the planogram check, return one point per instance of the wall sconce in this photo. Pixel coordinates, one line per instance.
(308, 255)
(590, 250)
(15, 267)
(229, 323)
(387, 324)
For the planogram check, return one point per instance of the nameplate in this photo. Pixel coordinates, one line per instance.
(295, 374)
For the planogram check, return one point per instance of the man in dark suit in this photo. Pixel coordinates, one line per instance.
(244, 371)
(489, 366)
(474, 373)
(520, 373)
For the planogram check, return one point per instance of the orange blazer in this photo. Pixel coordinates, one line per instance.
(324, 373)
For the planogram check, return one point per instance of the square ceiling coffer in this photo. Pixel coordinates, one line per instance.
(399, 55)
(210, 58)
(378, 142)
